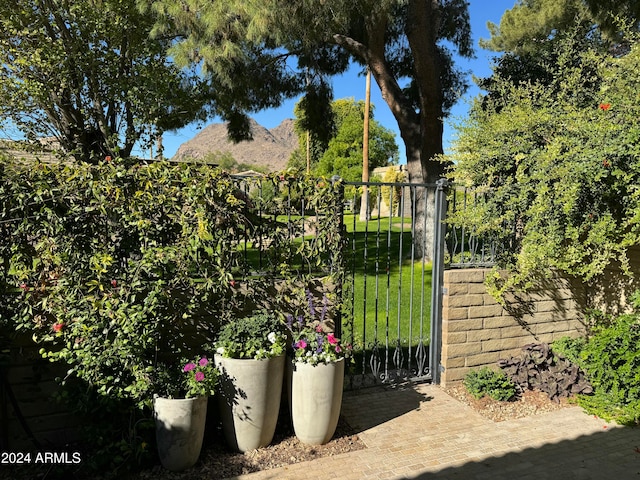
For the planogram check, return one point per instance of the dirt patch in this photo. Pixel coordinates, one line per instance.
(531, 402)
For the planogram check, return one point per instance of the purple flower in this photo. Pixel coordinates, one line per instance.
(199, 376)
(312, 310)
(203, 362)
(290, 321)
(188, 367)
(320, 341)
(324, 308)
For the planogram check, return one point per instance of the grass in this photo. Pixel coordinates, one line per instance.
(391, 292)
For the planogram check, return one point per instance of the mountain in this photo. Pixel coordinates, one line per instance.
(269, 149)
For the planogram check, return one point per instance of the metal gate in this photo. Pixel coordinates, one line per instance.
(393, 293)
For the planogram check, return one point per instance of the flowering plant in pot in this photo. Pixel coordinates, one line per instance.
(250, 353)
(258, 336)
(181, 413)
(314, 340)
(317, 376)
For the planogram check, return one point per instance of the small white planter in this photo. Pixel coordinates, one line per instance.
(179, 430)
(316, 400)
(249, 400)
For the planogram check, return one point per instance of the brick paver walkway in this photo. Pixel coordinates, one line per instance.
(422, 433)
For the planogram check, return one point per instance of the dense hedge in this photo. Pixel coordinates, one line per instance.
(112, 267)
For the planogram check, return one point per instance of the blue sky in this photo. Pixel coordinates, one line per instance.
(351, 84)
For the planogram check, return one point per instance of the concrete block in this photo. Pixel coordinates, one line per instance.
(458, 301)
(489, 359)
(461, 350)
(506, 343)
(454, 313)
(488, 311)
(450, 338)
(463, 325)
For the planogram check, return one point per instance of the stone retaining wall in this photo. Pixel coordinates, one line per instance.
(478, 331)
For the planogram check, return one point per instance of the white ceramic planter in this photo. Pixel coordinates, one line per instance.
(249, 400)
(179, 430)
(316, 400)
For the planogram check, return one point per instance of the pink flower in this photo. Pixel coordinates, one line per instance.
(203, 362)
(24, 287)
(57, 327)
(188, 367)
(199, 376)
(301, 344)
(319, 328)
(114, 283)
(331, 339)
(338, 349)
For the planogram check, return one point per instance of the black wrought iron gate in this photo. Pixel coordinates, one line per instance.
(395, 260)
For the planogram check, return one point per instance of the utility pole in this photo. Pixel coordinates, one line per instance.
(364, 201)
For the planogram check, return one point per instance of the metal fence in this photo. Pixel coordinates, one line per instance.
(392, 262)
(390, 289)
(466, 247)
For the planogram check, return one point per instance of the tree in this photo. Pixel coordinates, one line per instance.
(532, 23)
(88, 74)
(407, 45)
(343, 155)
(559, 153)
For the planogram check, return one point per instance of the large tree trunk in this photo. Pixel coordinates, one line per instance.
(421, 131)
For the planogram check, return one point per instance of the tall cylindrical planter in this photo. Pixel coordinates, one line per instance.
(179, 430)
(249, 400)
(316, 400)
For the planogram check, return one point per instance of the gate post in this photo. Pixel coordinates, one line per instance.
(437, 279)
(337, 263)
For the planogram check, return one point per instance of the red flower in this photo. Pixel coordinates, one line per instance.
(604, 106)
(107, 158)
(331, 339)
(232, 283)
(57, 327)
(24, 287)
(114, 283)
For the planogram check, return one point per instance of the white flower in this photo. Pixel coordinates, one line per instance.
(272, 337)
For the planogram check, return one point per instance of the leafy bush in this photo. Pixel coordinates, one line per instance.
(569, 348)
(489, 382)
(540, 369)
(611, 358)
(560, 161)
(113, 268)
(257, 336)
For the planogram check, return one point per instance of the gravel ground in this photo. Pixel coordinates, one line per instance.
(217, 461)
(530, 403)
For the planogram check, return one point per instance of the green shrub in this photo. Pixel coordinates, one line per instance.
(489, 382)
(257, 336)
(569, 348)
(611, 358)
